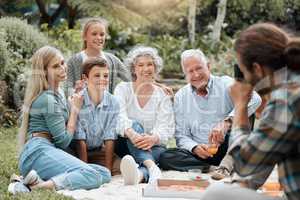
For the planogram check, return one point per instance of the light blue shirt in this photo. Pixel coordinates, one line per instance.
(196, 116)
(97, 123)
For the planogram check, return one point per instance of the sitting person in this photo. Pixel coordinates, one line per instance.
(203, 112)
(147, 118)
(269, 59)
(96, 126)
(49, 127)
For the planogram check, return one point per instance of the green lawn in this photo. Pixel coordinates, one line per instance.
(9, 165)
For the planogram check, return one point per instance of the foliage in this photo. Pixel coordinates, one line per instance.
(66, 40)
(18, 41)
(8, 117)
(9, 165)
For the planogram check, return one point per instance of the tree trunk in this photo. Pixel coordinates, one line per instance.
(216, 34)
(192, 21)
(45, 17)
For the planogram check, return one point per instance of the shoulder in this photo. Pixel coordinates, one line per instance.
(185, 90)
(75, 58)
(113, 102)
(44, 99)
(123, 86)
(224, 80)
(111, 56)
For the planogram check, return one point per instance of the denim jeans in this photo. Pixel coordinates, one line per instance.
(141, 155)
(66, 171)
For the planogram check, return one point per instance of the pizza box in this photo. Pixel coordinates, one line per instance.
(170, 188)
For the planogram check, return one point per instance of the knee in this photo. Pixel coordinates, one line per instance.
(105, 176)
(163, 161)
(137, 127)
(96, 178)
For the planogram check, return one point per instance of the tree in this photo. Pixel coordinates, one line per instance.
(50, 19)
(216, 34)
(192, 20)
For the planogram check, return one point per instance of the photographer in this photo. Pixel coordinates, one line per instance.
(269, 60)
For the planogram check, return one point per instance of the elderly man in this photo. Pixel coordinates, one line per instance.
(203, 112)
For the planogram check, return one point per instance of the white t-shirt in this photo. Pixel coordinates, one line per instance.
(85, 56)
(156, 117)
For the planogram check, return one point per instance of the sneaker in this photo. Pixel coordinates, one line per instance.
(17, 187)
(154, 174)
(129, 170)
(15, 178)
(32, 178)
(220, 173)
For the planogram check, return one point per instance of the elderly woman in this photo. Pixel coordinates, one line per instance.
(147, 118)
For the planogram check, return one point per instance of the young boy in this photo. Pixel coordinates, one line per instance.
(97, 120)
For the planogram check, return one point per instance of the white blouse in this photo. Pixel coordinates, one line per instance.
(156, 117)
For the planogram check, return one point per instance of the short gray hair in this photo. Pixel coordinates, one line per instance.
(196, 53)
(139, 51)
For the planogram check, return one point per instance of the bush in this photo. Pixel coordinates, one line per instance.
(18, 42)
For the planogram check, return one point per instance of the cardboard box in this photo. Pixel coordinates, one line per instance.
(169, 188)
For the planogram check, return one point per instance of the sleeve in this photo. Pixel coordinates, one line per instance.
(56, 122)
(121, 93)
(253, 104)
(122, 71)
(70, 82)
(80, 133)
(111, 128)
(266, 145)
(182, 131)
(164, 123)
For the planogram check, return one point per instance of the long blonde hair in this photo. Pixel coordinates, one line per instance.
(36, 84)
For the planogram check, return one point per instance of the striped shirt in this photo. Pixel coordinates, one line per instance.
(277, 138)
(97, 123)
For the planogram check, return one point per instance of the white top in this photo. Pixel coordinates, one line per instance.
(85, 56)
(156, 117)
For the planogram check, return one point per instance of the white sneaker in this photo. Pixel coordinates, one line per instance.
(17, 187)
(154, 174)
(32, 178)
(129, 170)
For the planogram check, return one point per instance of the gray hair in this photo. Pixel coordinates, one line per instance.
(139, 51)
(196, 53)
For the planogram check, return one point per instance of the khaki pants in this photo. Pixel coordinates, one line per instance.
(98, 157)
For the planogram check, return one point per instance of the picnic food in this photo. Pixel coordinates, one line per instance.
(213, 149)
(271, 186)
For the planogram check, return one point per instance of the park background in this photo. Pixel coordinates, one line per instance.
(171, 26)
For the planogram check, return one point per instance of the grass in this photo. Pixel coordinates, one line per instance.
(9, 165)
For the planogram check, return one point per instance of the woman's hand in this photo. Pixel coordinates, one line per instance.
(241, 94)
(167, 90)
(76, 101)
(146, 142)
(79, 85)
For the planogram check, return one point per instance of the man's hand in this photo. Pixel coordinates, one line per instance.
(201, 150)
(217, 134)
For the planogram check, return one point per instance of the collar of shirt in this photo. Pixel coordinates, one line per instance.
(88, 102)
(208, 87)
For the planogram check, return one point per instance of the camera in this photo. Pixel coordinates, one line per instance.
(238, 74)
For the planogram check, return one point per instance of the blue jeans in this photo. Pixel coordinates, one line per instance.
(141, 155)
(66, 171)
